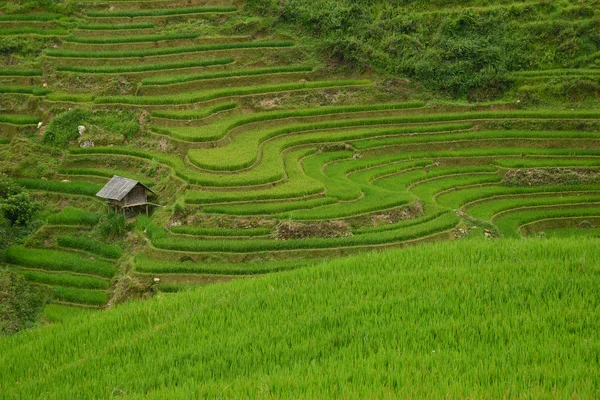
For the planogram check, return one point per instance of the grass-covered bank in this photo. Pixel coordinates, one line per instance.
(464, 49)
(464, 319)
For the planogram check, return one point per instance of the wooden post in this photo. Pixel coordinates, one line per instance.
(146, 210)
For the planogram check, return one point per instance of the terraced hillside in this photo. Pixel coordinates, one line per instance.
(264, 157)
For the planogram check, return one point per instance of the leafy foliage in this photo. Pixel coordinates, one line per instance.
(463, 52)
(63, 127)
(20, 209)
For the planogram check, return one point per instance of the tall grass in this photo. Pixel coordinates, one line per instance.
(29, 17)
(149, 265)
(189, 114)
(68, 280)
(478, 316)
(89, 245)
(81, 296)
(199, 231)
(20, 72)
(114, 27)
(75, 187)
(442, 223)
(163, 51)
(222, 127)
(169, 80)
(130, 39)
(58, 261)
(74, 216)
(160, 12)
(510, 222)
(487, 209)
(19, 119)
(120, 69)
(33, 90)
(196, 97)
(33, 31)
(458, 198)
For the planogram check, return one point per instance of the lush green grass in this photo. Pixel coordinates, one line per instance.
(557, 73)
(196, 97)
(487, 209)
(53, 260)
(458, 198)
(113, 27)
(122, 69)
(199, 231)
(160, 12)
(67, 280)
(20, 72)
(572, 232)
(222, 127)
(81, 296)
(90, 245)
(75, 187)
(33, 31)
(19, 119)
(29, 17)
(74, 216)
(60, 313)
(510, 222)
(189, 114)
(440, 224)
(149, 265)
(33, 90)
(481, 318)
(130, 39)
(169, 80)
(163, 51)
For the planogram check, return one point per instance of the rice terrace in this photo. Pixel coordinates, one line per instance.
(311, 199)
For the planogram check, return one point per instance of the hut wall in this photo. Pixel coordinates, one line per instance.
(137, 195)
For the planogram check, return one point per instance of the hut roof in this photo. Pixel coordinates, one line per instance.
(118, 187)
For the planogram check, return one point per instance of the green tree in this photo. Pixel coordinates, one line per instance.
(20, 209)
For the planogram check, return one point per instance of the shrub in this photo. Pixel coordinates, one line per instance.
(112, 225)
(63, 127)
(19, 209)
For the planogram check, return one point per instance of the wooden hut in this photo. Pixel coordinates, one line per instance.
(122, 193)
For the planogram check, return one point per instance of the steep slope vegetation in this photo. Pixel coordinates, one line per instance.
(471, 319)
(266, 156)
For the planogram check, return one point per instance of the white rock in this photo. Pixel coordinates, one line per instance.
(81, 129)
(86, 144)
(40, 125)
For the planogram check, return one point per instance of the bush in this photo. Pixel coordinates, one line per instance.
(63, 127)
(20, 303)
(20, 209)
(112, 225)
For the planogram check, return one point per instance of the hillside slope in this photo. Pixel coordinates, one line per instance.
(266, 154)
(472, 319)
